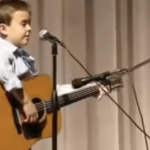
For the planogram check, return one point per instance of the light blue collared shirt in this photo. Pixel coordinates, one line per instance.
(12, 67)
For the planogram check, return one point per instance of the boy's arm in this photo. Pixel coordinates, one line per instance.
(67, 88)
(13, 85)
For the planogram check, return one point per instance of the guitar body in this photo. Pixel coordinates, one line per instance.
(15, 135)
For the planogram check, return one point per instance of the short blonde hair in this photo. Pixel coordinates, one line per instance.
(9, 7)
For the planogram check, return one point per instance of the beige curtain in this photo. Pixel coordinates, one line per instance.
(103, 35)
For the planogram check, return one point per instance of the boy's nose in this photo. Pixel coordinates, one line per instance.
(29, 28)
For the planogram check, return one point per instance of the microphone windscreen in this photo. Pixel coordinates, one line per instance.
(77, 83)
(42, 34)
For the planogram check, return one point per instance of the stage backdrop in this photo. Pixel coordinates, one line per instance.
(103, 35)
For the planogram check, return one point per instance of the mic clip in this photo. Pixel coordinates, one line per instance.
(114, 79)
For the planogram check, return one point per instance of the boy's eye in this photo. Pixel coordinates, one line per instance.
(24, 23)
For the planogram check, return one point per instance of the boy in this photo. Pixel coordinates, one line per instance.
(15, 29)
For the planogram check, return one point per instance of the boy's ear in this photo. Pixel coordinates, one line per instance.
(3, 29)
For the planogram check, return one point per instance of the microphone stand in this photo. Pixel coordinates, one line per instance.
(143, 63)
(132, 69)
(125, 71)
(54, 97)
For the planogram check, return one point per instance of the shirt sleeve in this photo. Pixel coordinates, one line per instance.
(67, 88)
(7, 75)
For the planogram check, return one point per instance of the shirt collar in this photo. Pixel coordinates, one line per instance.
(8, 45)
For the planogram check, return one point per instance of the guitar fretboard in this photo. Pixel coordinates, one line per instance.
(73, 97)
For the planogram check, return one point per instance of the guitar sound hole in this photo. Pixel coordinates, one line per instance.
(34, 130)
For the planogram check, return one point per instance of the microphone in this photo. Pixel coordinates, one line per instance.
(111, 77)
(46, 36)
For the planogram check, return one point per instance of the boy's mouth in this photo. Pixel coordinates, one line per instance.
(27, 36)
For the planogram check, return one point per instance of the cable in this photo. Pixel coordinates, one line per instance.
(140, 112)
(143, 131)
(45, 35)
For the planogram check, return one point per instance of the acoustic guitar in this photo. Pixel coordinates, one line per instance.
(15, 134)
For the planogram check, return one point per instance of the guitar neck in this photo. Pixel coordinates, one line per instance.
(73, 97)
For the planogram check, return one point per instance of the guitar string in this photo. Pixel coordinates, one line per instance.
(91, 90)
(48, 102)
(71, 97)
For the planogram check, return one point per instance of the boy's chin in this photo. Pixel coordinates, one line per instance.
(24, 43)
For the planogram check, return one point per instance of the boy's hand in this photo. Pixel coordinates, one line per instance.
(30, 111)
(105, 90)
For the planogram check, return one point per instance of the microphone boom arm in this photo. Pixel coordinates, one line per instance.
(114, 80)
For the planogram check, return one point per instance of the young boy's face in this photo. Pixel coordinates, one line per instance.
(19, 30)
